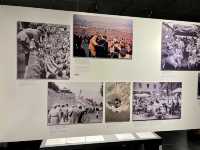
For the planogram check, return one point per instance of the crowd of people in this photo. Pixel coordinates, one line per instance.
(110, 43)
(65, 114)
(180, 47)
(43, 51)
(157, 107)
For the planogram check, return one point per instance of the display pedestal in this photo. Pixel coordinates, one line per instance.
(125, 141)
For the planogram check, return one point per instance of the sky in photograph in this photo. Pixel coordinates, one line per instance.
(99, 21)
(89, 90)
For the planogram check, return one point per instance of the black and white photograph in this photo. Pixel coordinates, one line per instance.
(74, 103)
(156, 100)
(43, 51)
(198, 92)
(117, 101)
(180, 47)
(102, 37)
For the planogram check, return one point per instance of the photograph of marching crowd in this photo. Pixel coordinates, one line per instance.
(43, 51)
(180, 47)
(117, 101)
(102, 37)
(156, 100)
(74, 103)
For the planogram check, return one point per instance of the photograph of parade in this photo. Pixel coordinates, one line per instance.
(180, 47)
(74, 103)
(198, 92)
(102, 37)
(117, 101)
(43, 51)
(156, 100)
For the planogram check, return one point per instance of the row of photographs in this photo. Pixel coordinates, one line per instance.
(84, 102)
(43, 50)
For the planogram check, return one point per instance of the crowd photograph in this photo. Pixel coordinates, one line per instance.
(43, 51)
(102, 37)
(74, 103)
(117, 101)
(180, 47)
(156, 100)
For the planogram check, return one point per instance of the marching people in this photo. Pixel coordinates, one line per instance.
(54, 115)
(97, 112)
(65, 114)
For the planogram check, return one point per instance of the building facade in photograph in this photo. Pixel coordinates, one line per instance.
(147, 87)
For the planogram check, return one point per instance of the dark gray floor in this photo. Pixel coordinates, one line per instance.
(180, 140)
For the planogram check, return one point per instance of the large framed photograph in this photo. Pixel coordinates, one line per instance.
(43, 51)
(180, 47)
(117, 101)
(102, 37)
(74, 103)
(156, 100)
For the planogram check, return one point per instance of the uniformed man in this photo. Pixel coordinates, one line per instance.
(26, 40)
(54, 115)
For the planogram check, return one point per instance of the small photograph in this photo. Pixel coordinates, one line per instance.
(117, 101)
(156, 100)
(198, 96)
(102, 37)
(74, 103)
(180, 47)
(43, 51)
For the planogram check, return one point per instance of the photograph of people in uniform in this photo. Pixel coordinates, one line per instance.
(74, 103)
(156, 100)
(102, 37)
(43, 51)
(117, 101)
(180, 47)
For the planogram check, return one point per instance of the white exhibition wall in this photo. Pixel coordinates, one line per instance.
(23, 103)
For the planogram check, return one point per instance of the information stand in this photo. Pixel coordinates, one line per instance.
(125, 141)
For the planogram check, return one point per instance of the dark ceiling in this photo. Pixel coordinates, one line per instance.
(166, 9)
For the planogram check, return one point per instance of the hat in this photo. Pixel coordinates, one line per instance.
(40, 29)
(54, 105)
